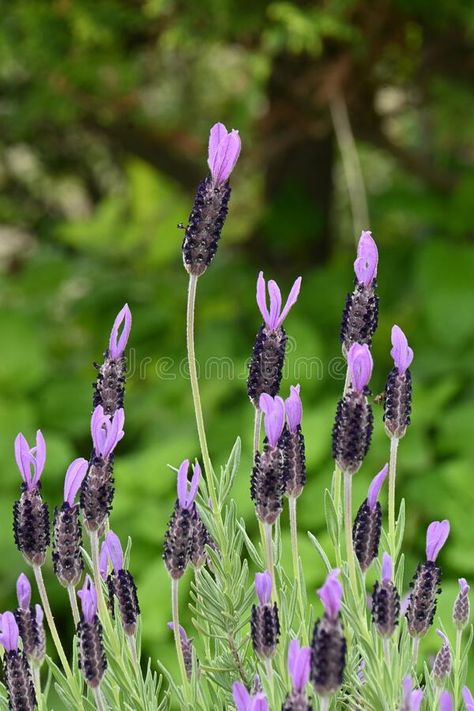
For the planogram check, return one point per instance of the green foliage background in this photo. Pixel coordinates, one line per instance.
(105, 109)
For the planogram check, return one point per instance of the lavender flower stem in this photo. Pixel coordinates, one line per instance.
(457, 668)
(195, 391)
(99, 699)
(35, 672)
(269, 555)
(271, 681)
(337, 475)
(103, 612)
(392, 473)
(324, 704)
(414, 651)
(38, 573)
(71, 591)
(177, 637)
(348, 530)
(386, 651)
(296, 563)
(256, 432)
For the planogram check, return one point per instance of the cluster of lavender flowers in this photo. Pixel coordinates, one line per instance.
(361, 653)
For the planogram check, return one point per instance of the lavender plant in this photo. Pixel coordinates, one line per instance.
(256, 647)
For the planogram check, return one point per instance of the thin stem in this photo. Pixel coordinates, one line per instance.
(296, 562)
(392, 473)
(195, 391)
(269, 555)
(256, 431)
(337, 474)
(132, 645)
(386, 650)
(71, 591)
(38, 573)
(271, 680)
(415, 646)
(35, 670)
(348, 530)
(103, 611)
(324, 704)
(457, 668)
(177, 638)
(99, 699)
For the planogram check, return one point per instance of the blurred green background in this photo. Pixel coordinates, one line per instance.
(352, 115)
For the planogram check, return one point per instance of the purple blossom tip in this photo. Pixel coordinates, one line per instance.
(468, 699)
(359, 364)
(117, 344)
(23, 591)
(331, 594)
(294, 408)
(224, 150)
(88, 597)
(259, 703)
(274, 410)
(411, 697)
(365, 266)
(241, 696)
(263, 587)
(299, 662)
(182, 631)
(75, 475)
(106, 431)
(39, 614)
(441, 634)
(463, 585)
(274, 317)
(111, 550)
(401, 352)
(187, 491)
(9, 633)
(30, 460)
(376, 485)
(436, 536)
(387, 567)
(446, 702)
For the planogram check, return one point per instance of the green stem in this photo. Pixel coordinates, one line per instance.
(256, 432)
(337, 474)
(71, 591)
(348, 530)
(269, 556)
(103, 611)
(392, 473)
(457, 668)
(415, 646)
(324, 704)
(54, 634)
(35, 670)
(296, 562)
(177, 638)
(99, 699)
(271, 680)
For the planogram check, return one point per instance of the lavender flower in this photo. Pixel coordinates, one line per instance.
(328, 646)
(264, 621)
(16, 670)
(386, 601)
(446, 702)
(462, 607)
(268, 354)
(30, 513)
(468, 699)
(443, 660)
(412, 698)
(179, 539)
(425, 584)
(211, 202)
(353, 424)
(92, 659)
(268, 476)
(294, 445)
(187, 648)
(30, 622)
(360, 315)
(299, 665)
(67, 534)
(244, 702)
(120, 583)
(368, 523)
(398, 387)
(109, 388)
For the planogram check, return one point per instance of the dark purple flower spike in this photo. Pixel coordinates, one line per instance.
(92, 659)
(360, 316)
(30, 622)
(267, 484)
(120, 583)
(386, 601)
(187, 649)
(118, 341)
(30, 513)
(17, 673)
(109, 388)
(368, 523)
(67, 532)
(328, 646)
(264, 621)
(462, 606)
(443, 661)
(398, 388)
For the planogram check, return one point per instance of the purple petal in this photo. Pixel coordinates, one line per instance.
(23, 591)
(117, 344)
(359, 364)
(23, 458)
(441, 634)
(194, 485)
(298, 664)
(30, 461)
(446, 702)
(88, 597)
(331, 594)
(376, 485)
(387, 567)
(9, 632)
(407, 688)
(241, 696)
(274, 421)
(401, 352)
(463, 585)
(294, 408)
(291, 301)
(275, 303)
(182, 485)
(265, 403)
(436, 536)
(416, 699)
(217, 134)
(39, 614)
(106, 431)
(114, 550)
(365, 266)
(262, 299)
(75, 475)
(40, 456)
(225, 154)
(259, 703)
(468, 699)
(263, 587)
(182, 631)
